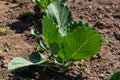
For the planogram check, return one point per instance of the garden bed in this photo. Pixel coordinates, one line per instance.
(104, 16)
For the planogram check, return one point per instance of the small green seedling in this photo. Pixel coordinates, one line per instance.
(2, 30)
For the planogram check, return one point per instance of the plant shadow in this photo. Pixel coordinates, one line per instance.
(27, 20)
(116, 16)
(38, 73)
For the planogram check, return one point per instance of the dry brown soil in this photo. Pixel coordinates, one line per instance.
(103, 15)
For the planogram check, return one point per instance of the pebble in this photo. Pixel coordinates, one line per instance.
(101, 75)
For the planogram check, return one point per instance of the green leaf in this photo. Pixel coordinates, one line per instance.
(41, 43)
(62, 1)
(115, 76)
(43, 3)
(18, 62)
(54, 48)
(48, 1)
(42, 60)
(34, 32)
(36, 57)
(50, 30)
(82, 43)
(74, 24)
(61, 16)
(51, 34)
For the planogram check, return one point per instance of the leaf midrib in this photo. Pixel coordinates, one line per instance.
(79, 48)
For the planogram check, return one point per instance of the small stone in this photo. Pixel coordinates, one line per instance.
(90, 7)
(100, 16)
(101, 75)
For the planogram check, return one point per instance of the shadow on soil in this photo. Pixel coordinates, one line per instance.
(37, 73)
(27, 20)
(116, 16)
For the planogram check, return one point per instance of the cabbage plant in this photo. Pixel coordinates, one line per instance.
(65, 41)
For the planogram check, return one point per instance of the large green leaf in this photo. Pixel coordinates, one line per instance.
(61, 16)
(18, 62)
(81, 43)
(51, 34)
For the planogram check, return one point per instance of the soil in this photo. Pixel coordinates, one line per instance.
(103, 15)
